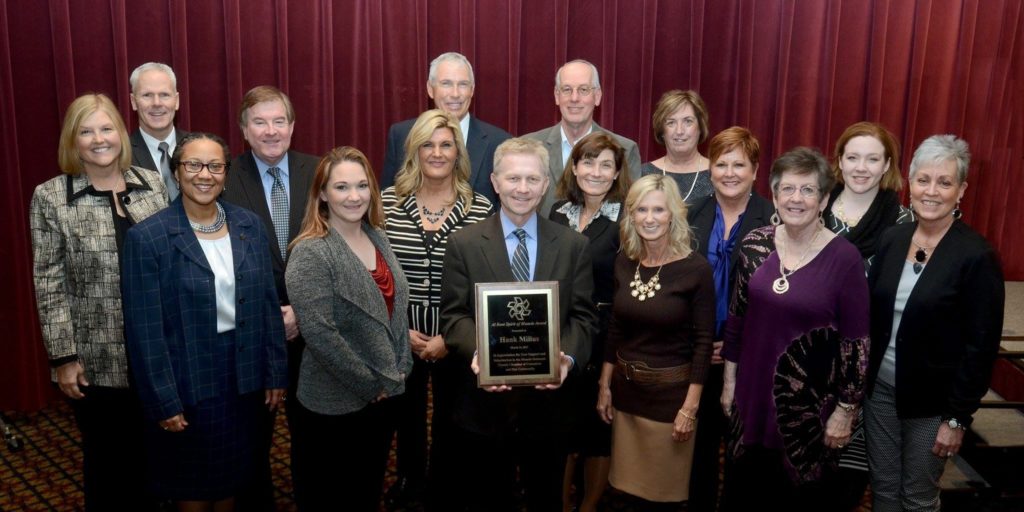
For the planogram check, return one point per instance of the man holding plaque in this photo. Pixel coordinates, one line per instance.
(502, 426)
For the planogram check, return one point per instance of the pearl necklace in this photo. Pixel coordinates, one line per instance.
(218, 222)
(841, 215)
(781, 285)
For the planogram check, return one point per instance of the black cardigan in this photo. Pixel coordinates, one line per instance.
(701, 217)
(951, 326)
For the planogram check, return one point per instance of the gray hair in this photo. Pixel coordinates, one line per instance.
(594, 80)
(151, 66)
(803, 161)
(449, 57)
(942, 148)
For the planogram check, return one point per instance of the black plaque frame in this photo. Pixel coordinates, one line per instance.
(509, 316)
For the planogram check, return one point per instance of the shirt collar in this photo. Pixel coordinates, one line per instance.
(572, 212)
(464, 126)
(565, 138)
(153, 142)
(507, 226)
(263, 166)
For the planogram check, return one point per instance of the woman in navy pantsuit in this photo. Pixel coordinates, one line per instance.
(204, 332)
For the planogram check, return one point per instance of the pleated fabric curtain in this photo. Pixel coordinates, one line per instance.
(794, 72)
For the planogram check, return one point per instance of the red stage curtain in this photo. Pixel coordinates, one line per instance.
(796, 73)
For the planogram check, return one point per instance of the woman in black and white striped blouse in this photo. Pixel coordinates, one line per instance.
(431, 199)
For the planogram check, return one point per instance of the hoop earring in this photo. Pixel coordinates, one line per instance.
(775, 219)
(957, 212)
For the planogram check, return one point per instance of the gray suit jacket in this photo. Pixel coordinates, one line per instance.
(552, 139)
(354, 350)
(477, 254)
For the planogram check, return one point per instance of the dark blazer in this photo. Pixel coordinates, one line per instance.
(481, 142)
(951, 326)
(171, 314)
(552, 139)
(477, 254)
(141, 157)
(701, 217)
(603, 234)
(244, 187)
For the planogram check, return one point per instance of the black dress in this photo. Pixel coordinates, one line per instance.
(592, 435)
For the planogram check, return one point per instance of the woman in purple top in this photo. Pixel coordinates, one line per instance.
(795, 347)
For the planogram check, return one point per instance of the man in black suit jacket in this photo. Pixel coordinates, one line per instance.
(155, 97)
(450, 84)
(267, 120)
(502, 426)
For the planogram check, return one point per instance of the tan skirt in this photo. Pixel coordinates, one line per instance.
(646, 462)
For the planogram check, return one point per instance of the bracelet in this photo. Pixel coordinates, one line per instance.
(687, 416)
(846, 407)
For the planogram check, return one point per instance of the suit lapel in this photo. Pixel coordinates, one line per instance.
(476, 145)
(252, 188)
(546, 239)
(140, 152)
(299, 176)
(241, 238)
(554, 144)
(361, 291)
(495, 251)
(183, 239)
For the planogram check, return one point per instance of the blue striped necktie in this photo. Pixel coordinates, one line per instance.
(521, 258)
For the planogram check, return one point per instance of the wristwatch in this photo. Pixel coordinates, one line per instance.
(953, 423)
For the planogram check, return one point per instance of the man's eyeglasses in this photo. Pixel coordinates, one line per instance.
(196, 167)
(583, 90)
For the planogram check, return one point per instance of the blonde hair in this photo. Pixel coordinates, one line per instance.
(410, 177)
(679, 231)
(522, 146)
(314, 222)
(68, 157)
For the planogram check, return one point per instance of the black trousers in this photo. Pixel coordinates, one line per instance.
(341, 459)
(412, 445)
(707, 446)
(114, 470)
(488, 472)
(258, 494)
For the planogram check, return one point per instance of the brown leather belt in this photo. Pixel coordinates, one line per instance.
(641, 373)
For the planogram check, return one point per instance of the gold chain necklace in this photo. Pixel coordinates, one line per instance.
(641, 290)
(781, 285)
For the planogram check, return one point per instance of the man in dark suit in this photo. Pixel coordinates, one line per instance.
(273, 182)
(155, 98)
(501, 426)
(577, 94)
(450, 84)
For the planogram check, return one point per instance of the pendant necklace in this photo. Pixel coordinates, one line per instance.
(641, 290)
(920, 255)
(781, 285)
(432, 216)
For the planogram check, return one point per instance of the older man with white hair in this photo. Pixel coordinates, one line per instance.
(577, 94)
(451, 84)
